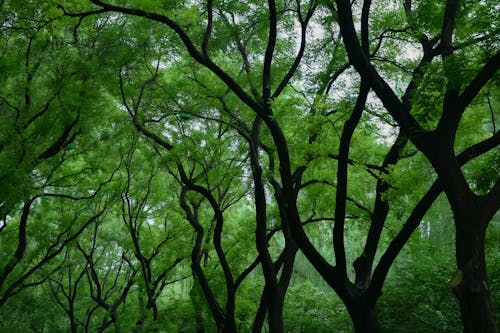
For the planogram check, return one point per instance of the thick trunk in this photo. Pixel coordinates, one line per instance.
(116, 322)
(471, 214)
(470, 283)
(363, 317)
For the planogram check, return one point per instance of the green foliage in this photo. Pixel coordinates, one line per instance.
(302, 313)
(121, 139)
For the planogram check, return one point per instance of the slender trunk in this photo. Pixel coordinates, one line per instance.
(195, 297)
(72, 319)
(260, 316)
(275, 311)
(200, 325)
(20, 250)
(470, 283)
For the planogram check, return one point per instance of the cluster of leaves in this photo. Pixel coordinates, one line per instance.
(145, 188)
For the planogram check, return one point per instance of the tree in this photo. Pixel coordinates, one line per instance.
(42, 117)
(249, 120)
(358, 298)
(472, 212)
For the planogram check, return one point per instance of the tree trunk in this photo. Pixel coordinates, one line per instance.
(200, 323)
(363, 317)
(472, 214)
(72, 319)
(230, 323)
(260, 316)
(275, 313)
(194, 295)
(470, 283)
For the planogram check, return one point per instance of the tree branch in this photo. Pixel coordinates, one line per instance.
(268, 57)
(192, 50)
(303, 28)
(361, 62)
(387, 259)
(208, 30)
(479, 81)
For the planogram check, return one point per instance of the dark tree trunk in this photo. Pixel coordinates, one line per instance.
(260, 316)
(472, 214)
(200, 322)
(363, 316)
(275, 307)
(72, 319)
(470, 283)
(275, 312)
(230, 324)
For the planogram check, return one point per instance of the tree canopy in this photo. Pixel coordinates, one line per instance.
(249, 166)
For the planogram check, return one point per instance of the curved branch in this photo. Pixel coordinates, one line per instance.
(396, 245)
(303, 27)
(21, 243)
(480, 80)
(341, 194)
(361, 62)
(191, 48)
(208, 30)
(268, 57)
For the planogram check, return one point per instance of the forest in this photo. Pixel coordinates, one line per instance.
(302, 166)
